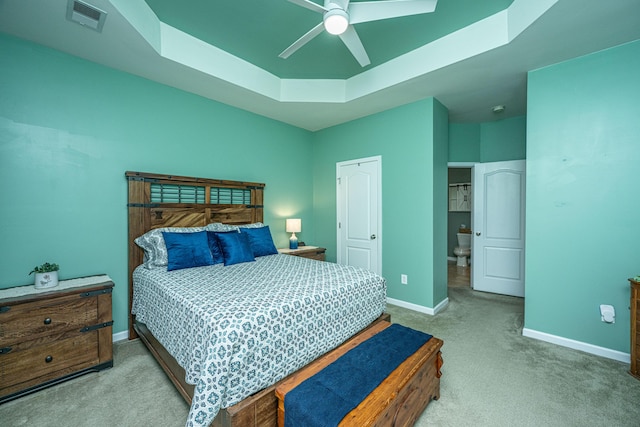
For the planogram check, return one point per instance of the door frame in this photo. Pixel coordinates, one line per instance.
(378, 162)
(463, 165)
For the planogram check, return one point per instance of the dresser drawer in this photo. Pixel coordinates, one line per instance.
(37, 361)
(29, 321)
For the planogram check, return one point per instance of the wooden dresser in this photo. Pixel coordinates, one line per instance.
(51, 335)
(635, 328)
(311, 252)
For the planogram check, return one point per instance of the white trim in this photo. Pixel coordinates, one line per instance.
(195, 55)
(120, 336)
(419, 308)
(378, 161)
(578, 345)
(461, 164)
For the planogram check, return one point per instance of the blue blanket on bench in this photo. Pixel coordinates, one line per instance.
(327, 397)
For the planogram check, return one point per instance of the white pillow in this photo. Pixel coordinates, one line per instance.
(218, 226)
(155, 250)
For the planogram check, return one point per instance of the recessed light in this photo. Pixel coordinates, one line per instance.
(498, 109)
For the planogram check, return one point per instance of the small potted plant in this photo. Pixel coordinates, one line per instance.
(46, 275)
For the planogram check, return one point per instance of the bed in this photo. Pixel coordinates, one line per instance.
(227, 333)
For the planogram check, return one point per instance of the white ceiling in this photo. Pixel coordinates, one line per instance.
(469, 71)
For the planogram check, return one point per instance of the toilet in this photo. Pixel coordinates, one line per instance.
(463, 250)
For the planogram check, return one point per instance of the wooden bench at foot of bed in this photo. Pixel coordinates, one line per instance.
(398, 400)
(257, 410)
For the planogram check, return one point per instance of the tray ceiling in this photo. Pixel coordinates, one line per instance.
(470, 55)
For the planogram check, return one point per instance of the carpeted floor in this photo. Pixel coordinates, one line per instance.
(492, 376)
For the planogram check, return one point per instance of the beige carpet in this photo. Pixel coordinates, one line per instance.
(135, 392)
(492, 376)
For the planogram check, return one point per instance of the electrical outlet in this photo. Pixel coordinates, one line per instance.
(607, 313)
(403, 279)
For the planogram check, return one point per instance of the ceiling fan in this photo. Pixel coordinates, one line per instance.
(339, 16)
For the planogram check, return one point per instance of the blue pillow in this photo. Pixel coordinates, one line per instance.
(260, 240)
(235, 248)
(186, 250)
(214, 245)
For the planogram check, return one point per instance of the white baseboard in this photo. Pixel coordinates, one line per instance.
(419, 308)
(578, 345)
(120, 336)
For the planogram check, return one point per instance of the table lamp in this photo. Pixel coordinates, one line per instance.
(293, 226)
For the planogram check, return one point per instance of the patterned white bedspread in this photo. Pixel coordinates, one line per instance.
(238, 329)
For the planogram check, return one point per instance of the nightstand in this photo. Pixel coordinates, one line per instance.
(311, 252)
(51, 335)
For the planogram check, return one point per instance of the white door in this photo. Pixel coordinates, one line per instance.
(499, 227)
(359, 239)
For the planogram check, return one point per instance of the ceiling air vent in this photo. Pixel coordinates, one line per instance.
(86, 15)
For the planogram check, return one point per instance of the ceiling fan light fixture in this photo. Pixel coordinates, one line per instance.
(336, 21)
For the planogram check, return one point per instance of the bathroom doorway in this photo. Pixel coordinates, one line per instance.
(459, 216)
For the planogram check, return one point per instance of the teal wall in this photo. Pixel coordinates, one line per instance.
(503, 140)
(410, 139)
(583, 150)
(496, 141)
(69, 129)
(440, 147)
(464, 142)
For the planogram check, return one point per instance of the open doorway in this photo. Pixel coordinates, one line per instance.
(458, 217)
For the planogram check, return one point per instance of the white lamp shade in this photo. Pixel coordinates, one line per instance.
(294, 225)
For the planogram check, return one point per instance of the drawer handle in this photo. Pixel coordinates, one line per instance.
(48, 359)
(47, 321)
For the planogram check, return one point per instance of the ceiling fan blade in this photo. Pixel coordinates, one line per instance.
(376, 10)
(309, 5)
(302, 40)
(352, 41)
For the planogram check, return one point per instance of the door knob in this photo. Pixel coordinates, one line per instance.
(373, 237)
(478, 233)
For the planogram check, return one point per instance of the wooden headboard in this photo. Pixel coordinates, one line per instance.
(178, 201)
